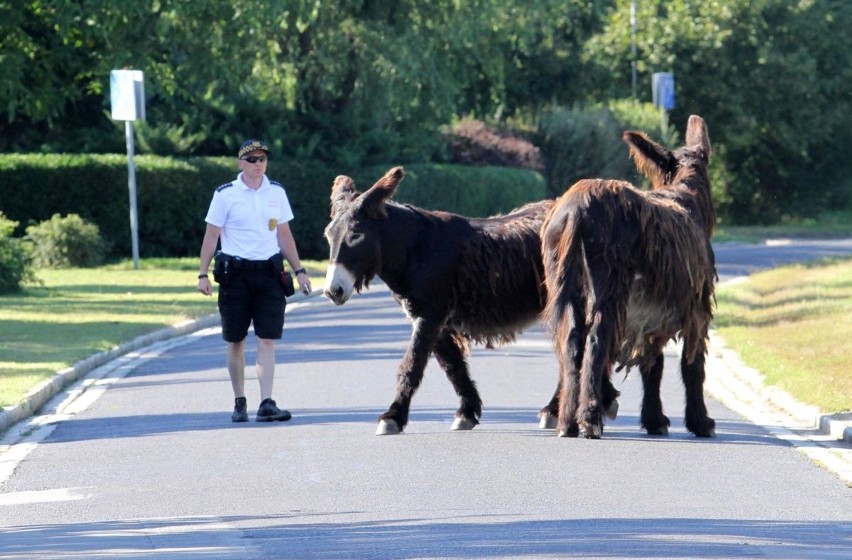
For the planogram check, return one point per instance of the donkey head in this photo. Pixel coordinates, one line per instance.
(684, 167)
(354, 236)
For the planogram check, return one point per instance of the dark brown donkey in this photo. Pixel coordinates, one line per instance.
(627, 271)
(460, 280)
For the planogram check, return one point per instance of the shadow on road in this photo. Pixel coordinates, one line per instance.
(304, 535)
(503, 422)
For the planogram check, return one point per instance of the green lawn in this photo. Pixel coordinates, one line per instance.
(78, 312)
(793, 324)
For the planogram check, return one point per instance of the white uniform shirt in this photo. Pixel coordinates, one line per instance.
(249, 218)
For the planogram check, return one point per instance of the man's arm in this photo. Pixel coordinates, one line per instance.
(287, 245)
(208, 250)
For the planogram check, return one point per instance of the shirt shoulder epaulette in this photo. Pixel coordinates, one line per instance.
(220, 188)
(276, 184)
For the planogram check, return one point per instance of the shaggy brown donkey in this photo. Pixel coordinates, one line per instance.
(460, 280)
(626, 271)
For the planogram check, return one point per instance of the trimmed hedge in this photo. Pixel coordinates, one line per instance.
(173, 195)
(465, 190)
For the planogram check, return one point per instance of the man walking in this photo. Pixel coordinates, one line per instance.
(250, 217)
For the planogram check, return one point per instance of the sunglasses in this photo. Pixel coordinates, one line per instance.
(255, 159)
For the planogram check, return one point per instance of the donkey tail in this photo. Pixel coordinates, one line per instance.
(563, 260)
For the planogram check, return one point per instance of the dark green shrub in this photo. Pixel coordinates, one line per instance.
(173, 195)
(15, 258)
(580, 143)
(465, 190)
(64, 242)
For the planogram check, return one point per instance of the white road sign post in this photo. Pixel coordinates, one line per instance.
(127, 96)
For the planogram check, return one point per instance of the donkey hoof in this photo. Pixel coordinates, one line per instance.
(571, 431)
(612, 411)
(546, 421)
(659, 431)
(387, 427)
(592, 431)
(462, 423)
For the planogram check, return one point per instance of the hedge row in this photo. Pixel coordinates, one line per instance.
(173, 195)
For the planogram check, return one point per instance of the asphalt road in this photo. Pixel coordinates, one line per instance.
(146, 463)
(741, 259)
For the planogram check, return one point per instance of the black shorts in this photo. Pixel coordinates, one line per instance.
(252, 296)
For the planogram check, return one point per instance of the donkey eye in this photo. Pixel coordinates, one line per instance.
(355, 237)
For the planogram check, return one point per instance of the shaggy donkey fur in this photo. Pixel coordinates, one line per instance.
(460, 280)
(626, 271)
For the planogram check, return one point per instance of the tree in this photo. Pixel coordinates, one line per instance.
(771, 78)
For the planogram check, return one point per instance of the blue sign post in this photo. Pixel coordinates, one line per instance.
(663, 92)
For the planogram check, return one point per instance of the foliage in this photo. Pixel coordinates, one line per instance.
(355, 83)
(771, 77)
(347, 81)
(15, 258)
(586, 142)
(173, 195)
(469, 191)
(63, 242)
(472, 142)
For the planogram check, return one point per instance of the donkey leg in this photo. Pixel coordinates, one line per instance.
(548, 414)
(570, 357)
(566, 425)
(610, 398)
(408, 376)
(451, 356)
(597, 365)
(652, 418)
(697, 420)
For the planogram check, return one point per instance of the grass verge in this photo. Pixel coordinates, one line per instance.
(792, 324)
(75, 313)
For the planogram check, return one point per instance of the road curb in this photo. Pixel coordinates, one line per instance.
(742, 378)
(46, 390)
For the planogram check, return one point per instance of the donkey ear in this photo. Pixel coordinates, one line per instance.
(652, 159)
(342, 191)
(696, 135)
(373, 201)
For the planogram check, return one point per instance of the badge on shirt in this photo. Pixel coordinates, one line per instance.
(272, 224)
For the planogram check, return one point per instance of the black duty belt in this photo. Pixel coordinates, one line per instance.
(245, 264)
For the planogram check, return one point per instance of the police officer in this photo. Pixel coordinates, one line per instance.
(250, 217)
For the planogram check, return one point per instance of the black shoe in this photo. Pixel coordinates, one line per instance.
(240, 414)
(268, 412)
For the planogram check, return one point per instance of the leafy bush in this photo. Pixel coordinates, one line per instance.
(15, 258)
(66, 242)
(173, 195)
(585, 142)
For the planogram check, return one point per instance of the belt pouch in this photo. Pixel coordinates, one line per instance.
(222, 268)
